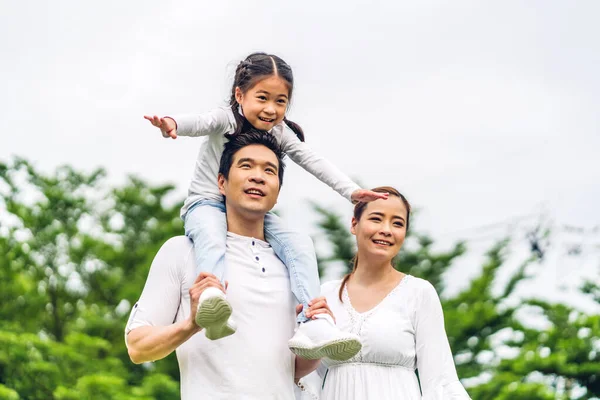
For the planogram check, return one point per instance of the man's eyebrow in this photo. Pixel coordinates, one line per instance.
(252, 161)
(245, 159)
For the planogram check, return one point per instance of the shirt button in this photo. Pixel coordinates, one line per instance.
(257, 258)
(253, 243)
(263, 270)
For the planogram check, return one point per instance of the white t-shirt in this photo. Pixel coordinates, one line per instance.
(254, 362)
(216, 123)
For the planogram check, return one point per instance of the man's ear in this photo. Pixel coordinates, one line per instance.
(221, 181)
(239, 96)
(353, 226)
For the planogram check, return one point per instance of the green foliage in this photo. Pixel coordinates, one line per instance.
(69, 276)
(8, 394)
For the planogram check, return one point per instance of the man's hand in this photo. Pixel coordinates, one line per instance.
(203, 281)
(167, 125)
(315, 307)
(364, 196)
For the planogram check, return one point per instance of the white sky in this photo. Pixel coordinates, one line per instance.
(478, 112)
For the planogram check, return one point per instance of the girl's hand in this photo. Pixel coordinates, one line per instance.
(315, 307)
(364, 196)
(167, 125)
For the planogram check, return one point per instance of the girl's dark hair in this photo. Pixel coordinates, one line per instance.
(248, 73)
(359, 208)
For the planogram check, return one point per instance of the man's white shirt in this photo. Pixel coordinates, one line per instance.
(253, 363)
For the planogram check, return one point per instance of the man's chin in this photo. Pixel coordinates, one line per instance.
(256, 210)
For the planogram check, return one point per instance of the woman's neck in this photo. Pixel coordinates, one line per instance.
(371, 272)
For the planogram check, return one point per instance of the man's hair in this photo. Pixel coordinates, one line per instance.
(247, 138)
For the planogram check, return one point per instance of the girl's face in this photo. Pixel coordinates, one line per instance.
(381, 229)
(264, 105)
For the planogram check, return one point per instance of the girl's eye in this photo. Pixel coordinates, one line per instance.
(270, 171)
(264, 98)
(399, 224)
(375, 219)
(282, 101)
(245, 165)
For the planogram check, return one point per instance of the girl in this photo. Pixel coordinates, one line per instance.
(398, 318)
(260, 95)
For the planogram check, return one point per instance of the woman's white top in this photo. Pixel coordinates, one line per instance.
(404, 332)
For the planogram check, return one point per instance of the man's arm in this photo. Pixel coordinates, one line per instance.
(151, 343)
(151, 333)
(316, 306)
(304, 367)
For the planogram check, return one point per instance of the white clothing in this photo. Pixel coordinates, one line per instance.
(253, 363)
(404, 332)
(216, 123)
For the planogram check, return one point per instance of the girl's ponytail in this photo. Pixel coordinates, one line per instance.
(295, 128)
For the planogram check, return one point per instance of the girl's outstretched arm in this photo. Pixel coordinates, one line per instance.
(364, 196)
(323, 170)
(167, 125)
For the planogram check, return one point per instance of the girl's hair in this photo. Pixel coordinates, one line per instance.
(359, 208)
(249, 72)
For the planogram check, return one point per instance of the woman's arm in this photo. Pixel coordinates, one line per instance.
(437, 373)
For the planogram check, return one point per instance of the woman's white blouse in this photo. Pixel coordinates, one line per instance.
(404, 332)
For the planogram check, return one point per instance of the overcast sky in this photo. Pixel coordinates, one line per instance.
(478, 111)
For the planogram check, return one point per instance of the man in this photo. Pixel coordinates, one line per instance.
(255, 362)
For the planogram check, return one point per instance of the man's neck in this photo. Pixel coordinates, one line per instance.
(246, 226)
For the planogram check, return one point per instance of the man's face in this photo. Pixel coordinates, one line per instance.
(252, 187)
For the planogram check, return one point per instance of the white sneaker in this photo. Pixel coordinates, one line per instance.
(319, 338)
(213, 314)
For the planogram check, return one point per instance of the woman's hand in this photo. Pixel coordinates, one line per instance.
(167, 125)
(364, 196)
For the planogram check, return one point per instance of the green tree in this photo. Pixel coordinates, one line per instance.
(69, 274)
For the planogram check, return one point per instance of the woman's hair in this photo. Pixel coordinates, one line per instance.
(359, 209)
(256, 67)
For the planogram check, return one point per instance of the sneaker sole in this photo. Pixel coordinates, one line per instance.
(342, 350)
(213, 317)
(218, 332)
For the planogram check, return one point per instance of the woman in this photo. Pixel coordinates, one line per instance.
(398, 317)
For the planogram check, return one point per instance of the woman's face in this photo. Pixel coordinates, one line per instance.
(381, 229)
